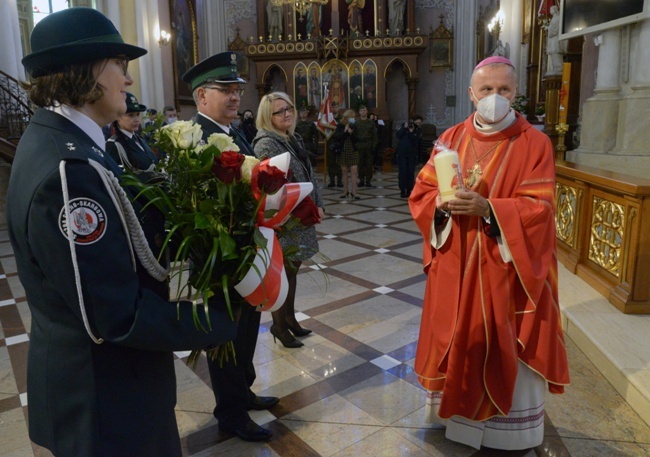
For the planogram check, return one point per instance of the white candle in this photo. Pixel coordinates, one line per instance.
(448, 172)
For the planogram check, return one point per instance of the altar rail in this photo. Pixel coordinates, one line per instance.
(603, 232)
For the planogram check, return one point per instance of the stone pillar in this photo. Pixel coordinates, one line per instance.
(634, 134)
(465, 48)
(600, 112)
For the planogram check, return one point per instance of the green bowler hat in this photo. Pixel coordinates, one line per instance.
(73, 36)
(220, 68)
(132, 105)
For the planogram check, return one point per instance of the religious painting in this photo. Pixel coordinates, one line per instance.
(355, 84)
(314, 85)
(300, 89)
(184, 46)
(335, 80)
(370, 84)
(441, 52)
(441, 47)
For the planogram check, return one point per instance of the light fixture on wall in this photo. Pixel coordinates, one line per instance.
(496, 24)
(163, 39)
(300, 6)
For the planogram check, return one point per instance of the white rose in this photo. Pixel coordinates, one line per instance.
(183, 134)
(223, 142)
(247, 168)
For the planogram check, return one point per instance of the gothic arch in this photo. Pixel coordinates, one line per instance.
(274, 79)
(392, 65)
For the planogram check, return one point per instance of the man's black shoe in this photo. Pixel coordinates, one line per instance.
(339, 184)
(361, 184)
(261, 403)
(250, 431)
(331, 184)
(368, 184)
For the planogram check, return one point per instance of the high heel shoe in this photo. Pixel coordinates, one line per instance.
(356, 197)
(286, 338)
(345, 195)
(297, 330)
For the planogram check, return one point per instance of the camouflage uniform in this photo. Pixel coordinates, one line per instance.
(309, 134)
(366, 144)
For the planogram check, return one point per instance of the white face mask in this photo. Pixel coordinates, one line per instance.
(171, 120)
(492, 108)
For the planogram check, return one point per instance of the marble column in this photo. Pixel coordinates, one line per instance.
(465, 46)
(11, 48)
(152, 91)
(634, 136)
(616, 120)
(600, 112)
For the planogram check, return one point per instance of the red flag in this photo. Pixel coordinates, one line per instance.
(326, 122)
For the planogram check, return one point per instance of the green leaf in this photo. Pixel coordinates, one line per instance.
(228, 246)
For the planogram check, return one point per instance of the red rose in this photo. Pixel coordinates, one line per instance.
(307, 212)
(270, 178)
(227, 167)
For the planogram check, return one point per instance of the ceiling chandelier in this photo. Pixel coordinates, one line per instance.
(300, 6)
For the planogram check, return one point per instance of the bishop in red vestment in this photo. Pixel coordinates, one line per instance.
(491, 336)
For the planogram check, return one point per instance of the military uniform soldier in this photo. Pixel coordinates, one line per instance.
(366, 145)
(309, 134)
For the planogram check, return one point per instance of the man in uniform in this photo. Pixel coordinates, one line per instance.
(366, 144)
(309, 134)
(216, 88)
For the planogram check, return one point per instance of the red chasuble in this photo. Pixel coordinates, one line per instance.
(481, 314)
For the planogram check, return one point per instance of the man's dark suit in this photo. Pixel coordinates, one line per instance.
(111, 399)
(232, 383)
(209, 127)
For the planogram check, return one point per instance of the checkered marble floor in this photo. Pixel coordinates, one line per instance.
(351, 390)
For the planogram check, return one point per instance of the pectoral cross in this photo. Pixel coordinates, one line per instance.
(473, 175)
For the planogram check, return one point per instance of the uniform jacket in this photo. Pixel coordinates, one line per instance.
(270, 144)
(87, 399)
(408, 143)
(366, 135)
(309, 134)
(138, 153)
(209, 127)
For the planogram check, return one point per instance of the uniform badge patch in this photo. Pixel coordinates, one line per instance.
(88, 221)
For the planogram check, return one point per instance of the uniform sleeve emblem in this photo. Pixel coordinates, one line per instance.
(88, 221)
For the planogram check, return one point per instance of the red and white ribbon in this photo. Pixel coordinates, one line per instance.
(284, 201)
(265, 284)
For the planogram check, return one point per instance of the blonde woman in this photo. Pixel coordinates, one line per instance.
(276, 123)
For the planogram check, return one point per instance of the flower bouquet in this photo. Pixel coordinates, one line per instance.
(222, 209)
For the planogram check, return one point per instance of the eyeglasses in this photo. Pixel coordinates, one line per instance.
(229, 91)
(124, 63)
(284, 111)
